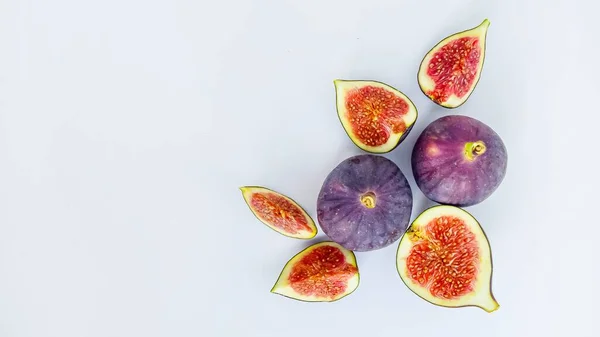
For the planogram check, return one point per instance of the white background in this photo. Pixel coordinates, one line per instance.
(127, 126)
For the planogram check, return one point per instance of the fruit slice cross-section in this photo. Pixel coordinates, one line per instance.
(376, 116)
(279, 212)
(323, 272)
(445, 258)
(450, 71)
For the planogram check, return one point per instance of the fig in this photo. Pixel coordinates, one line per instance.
(458, 160)
(450, 71)
(279, 212)
(323, 272)
(376, 116)
(365, 203)
(445, 258)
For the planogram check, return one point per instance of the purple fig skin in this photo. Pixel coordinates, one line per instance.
(344, 212)
(450, 170)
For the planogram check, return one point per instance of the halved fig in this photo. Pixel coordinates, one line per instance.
(450, 71)
(445, 258)
(376, 116)
(279, 212)
(323, 272)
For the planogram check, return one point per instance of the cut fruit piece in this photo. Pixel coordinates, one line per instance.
(279, 212)
(451, 70)
(323, 272)
(365, 203)
(445, 258)
(375, 116)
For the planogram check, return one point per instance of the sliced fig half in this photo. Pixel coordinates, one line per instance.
(323, 272)
(445, 258)
(450, 71)
(279, 212)
(376, 116)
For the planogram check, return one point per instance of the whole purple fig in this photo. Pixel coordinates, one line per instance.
(365, 203)
(458, 160)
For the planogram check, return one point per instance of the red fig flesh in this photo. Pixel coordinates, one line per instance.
(376, 116)
(450, 71)
(445, 258)
(323, 272)
(279, 212)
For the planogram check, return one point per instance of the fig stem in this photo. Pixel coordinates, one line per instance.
(368, 199)
(474, 149)
(489, 304)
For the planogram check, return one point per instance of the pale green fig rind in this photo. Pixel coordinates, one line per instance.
(281, 288)
(482, 297)
(394, 140)
(247, 191)
(422, 77)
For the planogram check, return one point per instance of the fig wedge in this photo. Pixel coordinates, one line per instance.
(376, 116)
(323, 272)
(279, 212)
(450, 71)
